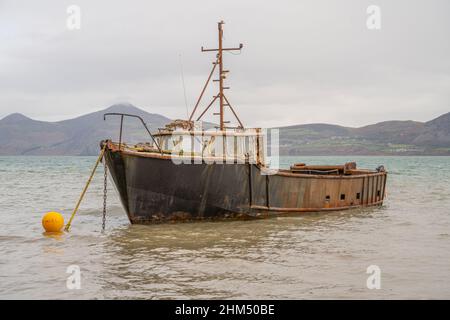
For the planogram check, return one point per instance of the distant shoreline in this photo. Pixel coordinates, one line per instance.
(20, 135)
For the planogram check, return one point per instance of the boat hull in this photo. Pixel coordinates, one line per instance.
(154, 189)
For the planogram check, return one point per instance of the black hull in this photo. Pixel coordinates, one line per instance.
(154, 189)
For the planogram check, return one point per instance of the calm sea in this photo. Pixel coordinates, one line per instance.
(311, 256)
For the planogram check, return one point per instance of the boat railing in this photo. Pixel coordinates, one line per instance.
(122, 115)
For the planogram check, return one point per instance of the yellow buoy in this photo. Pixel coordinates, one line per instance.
(53, 221)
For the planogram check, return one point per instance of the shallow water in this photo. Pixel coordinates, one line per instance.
(311, 256)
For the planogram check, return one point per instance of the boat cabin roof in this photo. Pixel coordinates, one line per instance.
(235, 132)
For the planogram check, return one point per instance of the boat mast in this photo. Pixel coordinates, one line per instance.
(221, 74)
(223, 101)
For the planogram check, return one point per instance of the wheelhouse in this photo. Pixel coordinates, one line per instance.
(238, 145)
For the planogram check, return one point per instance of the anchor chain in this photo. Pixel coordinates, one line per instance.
(105, 193)
(100, 157)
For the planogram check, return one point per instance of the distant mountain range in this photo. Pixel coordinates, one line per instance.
(383, 138)
(20, 135)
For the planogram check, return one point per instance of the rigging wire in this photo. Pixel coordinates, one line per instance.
(184, 86)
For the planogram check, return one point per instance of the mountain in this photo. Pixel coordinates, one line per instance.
(384, 138)
(20, 135)
(436, 132)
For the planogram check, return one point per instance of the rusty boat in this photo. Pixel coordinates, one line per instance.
(187, 173)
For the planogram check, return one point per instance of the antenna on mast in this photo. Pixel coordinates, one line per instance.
(223, 101)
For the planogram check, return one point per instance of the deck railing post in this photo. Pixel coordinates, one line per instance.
(120, 132)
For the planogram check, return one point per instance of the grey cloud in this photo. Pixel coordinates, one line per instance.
(303, 61)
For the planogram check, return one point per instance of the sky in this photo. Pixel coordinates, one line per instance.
(303, 61)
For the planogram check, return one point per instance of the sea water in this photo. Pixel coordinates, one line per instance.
(320, 255)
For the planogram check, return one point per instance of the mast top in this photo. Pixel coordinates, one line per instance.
(222, 73)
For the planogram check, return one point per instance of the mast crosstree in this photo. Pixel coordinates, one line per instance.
(223, 101)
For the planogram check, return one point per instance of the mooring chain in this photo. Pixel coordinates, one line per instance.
(105, 191)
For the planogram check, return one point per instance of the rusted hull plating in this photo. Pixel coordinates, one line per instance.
(154, 189)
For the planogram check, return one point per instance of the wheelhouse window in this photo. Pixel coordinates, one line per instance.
(241, 146)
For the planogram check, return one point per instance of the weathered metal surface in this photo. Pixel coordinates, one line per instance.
(154, 189)
(223, 101)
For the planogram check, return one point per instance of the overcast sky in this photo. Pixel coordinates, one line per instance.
(302, 62)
